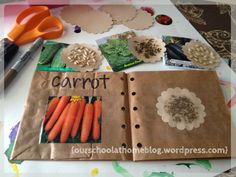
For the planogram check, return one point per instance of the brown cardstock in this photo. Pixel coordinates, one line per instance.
(143, 20)
(120, 13)
(72, 13)
(130, 100)
(95, 21)
(27, 144)
(213, 133)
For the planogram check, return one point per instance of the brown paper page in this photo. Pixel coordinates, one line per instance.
(203, 96)
(112, 88)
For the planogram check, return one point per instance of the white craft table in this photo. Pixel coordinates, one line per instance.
(16, 95)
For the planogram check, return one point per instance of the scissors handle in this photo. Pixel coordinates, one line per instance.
(50, 28)
(35, 14)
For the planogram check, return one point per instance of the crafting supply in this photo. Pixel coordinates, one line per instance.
(143, 20)
(180, 108)
(120, 13)
(71, 14)
(95, 21)
(149, 10)
(147, 49)
(201, 54)
(39, 23)
(11, 74)
(82, 57)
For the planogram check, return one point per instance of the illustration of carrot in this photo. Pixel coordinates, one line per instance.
(69, 121)
(97, 116)
(58, 126)
(51, 107)
(60, 107)
(87, 121)
(78, 118)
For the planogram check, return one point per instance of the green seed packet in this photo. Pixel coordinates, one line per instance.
(115, 49)
(50, 58)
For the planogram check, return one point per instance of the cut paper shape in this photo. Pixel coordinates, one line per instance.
(12, 137)
(120, 13)
(143, 20)
(204, 164)
(164, 19)
(149, 10)
(147, 49)
(120, 170)
(94, 172)
(158, 174)
(15, 169)
(188, 165)
(71, 14)
(82, 57)
(201, 54)
(95, 21)
(180, 108)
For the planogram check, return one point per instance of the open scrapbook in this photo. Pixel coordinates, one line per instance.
(161, 110)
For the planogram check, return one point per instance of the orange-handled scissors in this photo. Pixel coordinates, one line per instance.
(38, 23)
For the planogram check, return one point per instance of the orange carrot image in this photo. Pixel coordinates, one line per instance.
(97, 115)
(58, 126)
(78, 118)
(60, 107)
(52, 106)
(69, 121)
(87, 122)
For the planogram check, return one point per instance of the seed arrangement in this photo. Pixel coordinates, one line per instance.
(72, 119)
(82, 57)
(180, 108)
(147, 49)
(201, 54)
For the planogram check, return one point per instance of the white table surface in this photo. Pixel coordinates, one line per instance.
(16, 95)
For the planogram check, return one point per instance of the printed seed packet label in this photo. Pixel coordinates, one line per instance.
(50, 58)
(174, 55)
(116, 51)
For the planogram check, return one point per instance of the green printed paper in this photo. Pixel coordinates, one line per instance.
(115, 49)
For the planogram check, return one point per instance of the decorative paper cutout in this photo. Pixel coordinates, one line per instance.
(143, 20)
(71, 14)
(201, 54)
(120, 13)
(82, 57)
(180, 108)
(149, 10)
(147, 49)
(95, 21)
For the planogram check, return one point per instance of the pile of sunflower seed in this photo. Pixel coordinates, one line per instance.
(82, 56)
(181, 109)
(147, 47)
